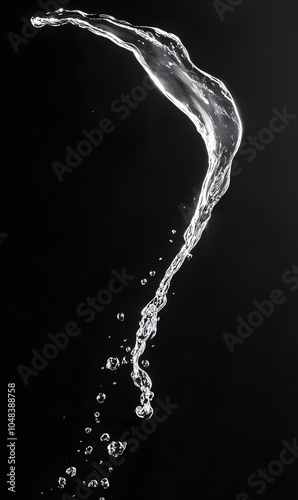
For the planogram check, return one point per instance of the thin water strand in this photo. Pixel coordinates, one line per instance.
(208, 104)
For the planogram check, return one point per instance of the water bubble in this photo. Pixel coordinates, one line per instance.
(116, 448)
(101, 397)
(61, 482)
(71, 471)
(144, 281)
(112, 364)
(120, 316)
(88, 430)
(88, 450)
(105, 437)
(93, 484)
(105, 483)
(152, 273)
(145, 363)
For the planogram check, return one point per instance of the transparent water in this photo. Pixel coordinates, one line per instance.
(208, 104)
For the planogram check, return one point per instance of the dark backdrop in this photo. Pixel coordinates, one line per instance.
(60, 242)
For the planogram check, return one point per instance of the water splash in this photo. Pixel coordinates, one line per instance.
(208, 104)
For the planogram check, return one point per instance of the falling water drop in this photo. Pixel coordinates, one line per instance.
(88, 450)
(152, 273)
(105, 483)
(144, 281)
(116, 448)
(112, 364)
(93, 483)
(100, 398)
(121, 316)
(71, 471)
(105, 437)
(88, 430)
(61, 482)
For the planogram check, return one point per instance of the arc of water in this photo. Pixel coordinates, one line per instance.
(208, 104)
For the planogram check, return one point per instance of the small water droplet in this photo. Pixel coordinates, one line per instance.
(128, 349)
(145, 363)
(124, 361)
(105, 437)
(101, 397)
(174, 231)
(171, 241)
(112, 364)
(114, 383)
(88, 430)
(71, 471)
(152, 273)
(144, 281)
(189, 256)
(61, 482)
(120, 316)
(93, 484)
(160, 258)
(116, 448)
(105, 483)
(88, 450)
(111, 469)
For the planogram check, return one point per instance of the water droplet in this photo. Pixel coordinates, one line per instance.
(111, 469)
(145, 363)
(105, 483)
(124, 361)
(101, 397)
(124, 340)
(105, 437)
(152, 273)
(120, 316)
(71, 471)
(93, 484)
(112, 364)
(88, 450)
(114, 383)
(116, 448)
(88, 430)
(171, 241)
(160, 258)
(174, 231)
(61, 482)
(144, 281)
(128, 349)
(189, 256)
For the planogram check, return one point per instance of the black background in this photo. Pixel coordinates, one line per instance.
(117, 209)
